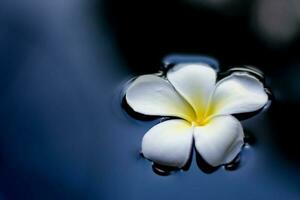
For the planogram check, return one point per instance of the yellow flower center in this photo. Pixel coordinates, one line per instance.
(203, 116)
(199, 122)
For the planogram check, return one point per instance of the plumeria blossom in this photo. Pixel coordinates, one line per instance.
(200, 110)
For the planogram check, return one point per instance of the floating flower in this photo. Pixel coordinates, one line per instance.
(200, 110)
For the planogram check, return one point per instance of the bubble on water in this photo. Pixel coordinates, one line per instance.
(233, 165)
(163, 170)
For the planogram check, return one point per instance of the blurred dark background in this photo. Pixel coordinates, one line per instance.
(235, 32)
(63, 134)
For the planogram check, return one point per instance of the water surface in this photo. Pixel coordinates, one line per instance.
(64, 135)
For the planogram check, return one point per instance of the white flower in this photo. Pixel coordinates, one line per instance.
(202, 109)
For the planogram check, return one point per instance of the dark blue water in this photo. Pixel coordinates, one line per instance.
(64, 134)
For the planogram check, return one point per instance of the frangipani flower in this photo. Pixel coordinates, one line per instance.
(200, 110)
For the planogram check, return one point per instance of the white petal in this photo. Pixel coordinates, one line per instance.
(169, 143)
(220, 140)
(152, 95)
(195, 82)
(237, 93)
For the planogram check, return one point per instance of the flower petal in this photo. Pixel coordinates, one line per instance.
(195, 82)
(237, 93)
(169, 143)
(220, 140)
(153, 95)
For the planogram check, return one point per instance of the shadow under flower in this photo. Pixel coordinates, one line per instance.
(136, 115)
(163, 170)
(203, 165)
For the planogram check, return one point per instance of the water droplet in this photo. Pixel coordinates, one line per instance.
(235, 164)
(163, 170)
